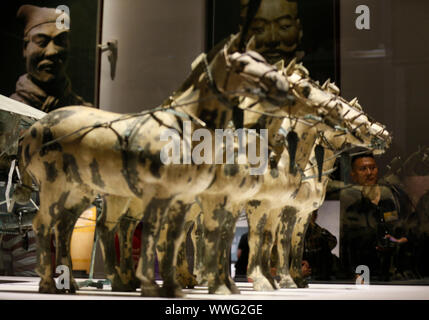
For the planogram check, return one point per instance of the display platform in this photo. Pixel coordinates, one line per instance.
(17, 288)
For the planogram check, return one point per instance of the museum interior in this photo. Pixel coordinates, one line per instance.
(199, 149)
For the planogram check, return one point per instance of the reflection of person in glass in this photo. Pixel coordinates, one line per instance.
(371, 221)
(46, 50)
(276, 28)
(318, 246)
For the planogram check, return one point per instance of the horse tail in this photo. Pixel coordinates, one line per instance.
(23, 190)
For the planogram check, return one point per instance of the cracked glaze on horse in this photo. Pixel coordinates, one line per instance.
(75, 153)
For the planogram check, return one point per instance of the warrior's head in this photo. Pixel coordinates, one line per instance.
(46, 47)
(275, 25)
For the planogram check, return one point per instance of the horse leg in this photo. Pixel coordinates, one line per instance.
(257, 216)
(64, 230)
(228, 229)
(198, 239)
(173, 234)
(214, 217)
(186, 266)
(126, 270)
(42, 226)
(267, 247)
(60, 210)
(107, 224)
(183, 272)
(127, 226)
(152, 218)
(297, 247)
(284, 236)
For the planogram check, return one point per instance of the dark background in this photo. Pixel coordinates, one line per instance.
(83, 35)
(391, 86)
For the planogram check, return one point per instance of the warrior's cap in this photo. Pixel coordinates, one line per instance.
(33, 16)
(244, 6)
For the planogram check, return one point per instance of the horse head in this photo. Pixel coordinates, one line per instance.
(238, 74)
(345, 122)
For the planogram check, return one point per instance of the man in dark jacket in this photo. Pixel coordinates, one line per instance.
(318, 246)
(370, 221)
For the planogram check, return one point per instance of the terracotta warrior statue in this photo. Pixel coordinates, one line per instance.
(276, 28)
(46, 85)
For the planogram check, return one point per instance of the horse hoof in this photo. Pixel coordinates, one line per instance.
(171, 292)
(220, 290)
(120, 286)
(49, 286)
(301, 283)
(49, 290)
(262, 284)
(150, 291)
(287, 283)
(234, 289)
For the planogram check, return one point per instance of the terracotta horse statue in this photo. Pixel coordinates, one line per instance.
(279, 184)
(75, 153)
(167, 249)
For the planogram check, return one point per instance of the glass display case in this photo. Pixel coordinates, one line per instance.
(132, 55)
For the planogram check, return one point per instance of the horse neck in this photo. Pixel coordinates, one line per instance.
(199, 101)
(255, 120)
(214, 107)
(215, 113)
(307, 137)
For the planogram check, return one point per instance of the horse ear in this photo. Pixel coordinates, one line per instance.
(326, 84)
(198, 60)
(280, 65)
(251, 44)
(290, 67)
(233, 44)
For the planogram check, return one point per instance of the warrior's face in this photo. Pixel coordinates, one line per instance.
(277, 30)
(46, 52)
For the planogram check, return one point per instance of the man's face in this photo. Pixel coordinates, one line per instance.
(365, 171)
(46, 52)
(277, 30)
